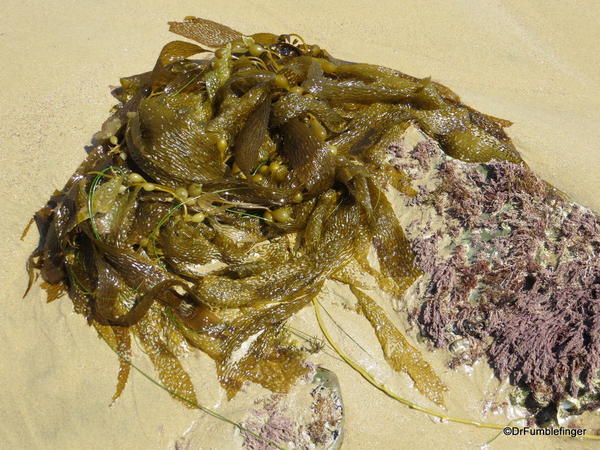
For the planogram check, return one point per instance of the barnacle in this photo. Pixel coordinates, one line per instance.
(262, 141)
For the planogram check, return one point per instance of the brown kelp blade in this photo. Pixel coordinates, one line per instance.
(398, 352)
(252, 136)
(393, 248)
(204, 31)
(311, 160)
(119, 340)
(172, 52)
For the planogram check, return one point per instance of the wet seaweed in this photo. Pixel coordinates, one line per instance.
(260, 157)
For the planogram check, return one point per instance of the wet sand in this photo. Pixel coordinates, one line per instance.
(533, 62)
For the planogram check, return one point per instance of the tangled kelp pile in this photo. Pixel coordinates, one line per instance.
(225, 190)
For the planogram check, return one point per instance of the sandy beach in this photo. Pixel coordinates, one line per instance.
(533, 62)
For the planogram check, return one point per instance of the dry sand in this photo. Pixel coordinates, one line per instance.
(533, 62)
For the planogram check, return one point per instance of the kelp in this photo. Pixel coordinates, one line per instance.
(251, 137)
(401, 356)
(223, 193)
